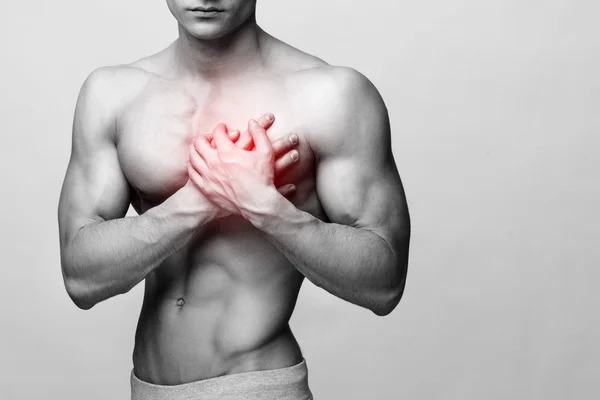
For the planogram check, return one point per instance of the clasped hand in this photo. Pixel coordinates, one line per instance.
(239, 177)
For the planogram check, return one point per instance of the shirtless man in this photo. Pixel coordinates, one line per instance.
(222, 240)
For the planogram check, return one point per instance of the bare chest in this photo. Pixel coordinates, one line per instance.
(158, 126)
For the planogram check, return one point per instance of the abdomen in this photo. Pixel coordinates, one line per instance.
(220, 305)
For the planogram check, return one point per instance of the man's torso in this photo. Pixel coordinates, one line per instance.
(222, 303)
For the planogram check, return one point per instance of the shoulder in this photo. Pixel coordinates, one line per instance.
(344, 108)
(109, 86)
(103, 95)
(342, 88)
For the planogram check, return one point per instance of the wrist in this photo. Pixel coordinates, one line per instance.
(265, 210)
(192, 205)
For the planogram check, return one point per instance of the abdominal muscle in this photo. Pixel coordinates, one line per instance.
(220, 305)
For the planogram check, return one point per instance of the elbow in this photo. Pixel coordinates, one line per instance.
(80, 293)
(79, 290)
(85, 292)
(82, 289)
(82, 304)
(75, 287)
(391, 288)
(389, 297)
(387, 302)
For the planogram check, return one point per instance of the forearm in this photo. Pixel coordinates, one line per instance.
(108, 258)
(354, 264)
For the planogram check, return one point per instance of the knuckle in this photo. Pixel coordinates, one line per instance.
(286, 161)
(284, 145)
(266, 151)
(278, 145)
(192, 159)
(199, 144)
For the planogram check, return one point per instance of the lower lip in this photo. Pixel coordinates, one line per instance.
(206, 14)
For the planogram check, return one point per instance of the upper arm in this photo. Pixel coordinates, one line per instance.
(94, 188)
(358, 183)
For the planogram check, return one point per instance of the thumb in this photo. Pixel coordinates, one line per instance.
(221, 137)
(259, 136)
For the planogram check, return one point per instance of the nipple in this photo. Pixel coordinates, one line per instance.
(180, 302)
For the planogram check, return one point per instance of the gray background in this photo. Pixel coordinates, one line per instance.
(494, 111)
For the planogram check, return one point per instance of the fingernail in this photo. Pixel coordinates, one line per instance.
(253, 122)
(269, 116)
(294, 139)
(291, 187)
(295, 156)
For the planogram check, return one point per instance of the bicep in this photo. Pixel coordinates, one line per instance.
(357, 179)
(94, 188)
(364, 192)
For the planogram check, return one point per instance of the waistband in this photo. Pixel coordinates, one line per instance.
(288, 383)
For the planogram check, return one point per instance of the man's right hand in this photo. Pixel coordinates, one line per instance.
(283, 148)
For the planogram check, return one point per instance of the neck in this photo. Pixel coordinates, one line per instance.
(227, 57)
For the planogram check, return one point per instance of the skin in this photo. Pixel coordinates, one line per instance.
(222, 241)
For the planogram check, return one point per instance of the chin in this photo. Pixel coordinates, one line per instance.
(207, 30)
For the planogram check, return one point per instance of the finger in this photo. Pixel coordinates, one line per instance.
(259, 137)
(198, 163)
(211, 141)
(288, 159)
(286, 190)
(266, 120)
(234, 135)
(205, 150)
(221, 137)
(285, 144)
(195, 177)
(245, 141)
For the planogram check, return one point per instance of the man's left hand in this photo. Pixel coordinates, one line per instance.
(234, 178)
